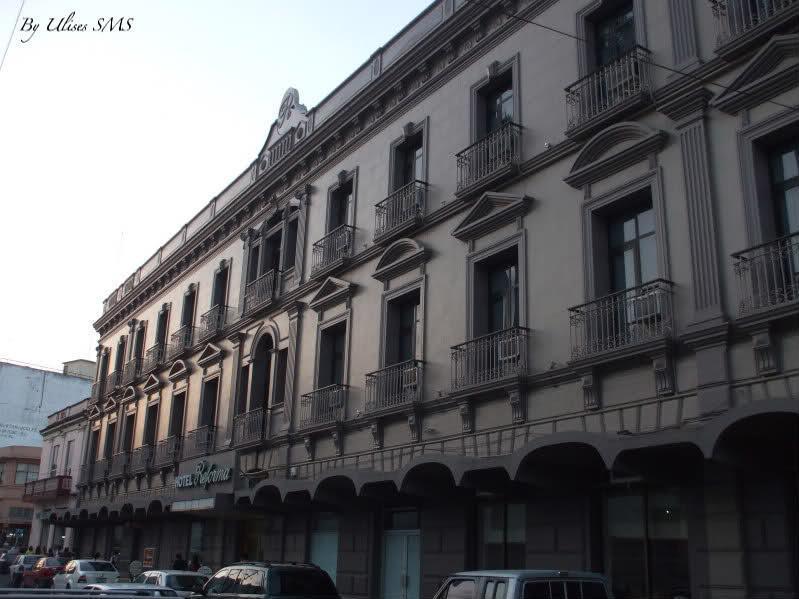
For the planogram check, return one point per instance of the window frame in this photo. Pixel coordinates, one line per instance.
(203, 399)
(343, 178)
(505, 504)
(419, 283)
(409, 131)
(585, 22)
(494, 71)
(345, 317)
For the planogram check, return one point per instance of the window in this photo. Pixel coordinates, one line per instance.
(20, 513)
(94, 445)
(161, 327)
(209, 398)
(332, 349)
(632, 248)
(196, 536)
(501, 536)
(219, 294)
(26, 473)
(497, 290)
(2, 471)
(225, 581)
(495, 101)
(402, 328)
(189, 299)
(54, 460)
(244, 384)
(784, 175)
(339, 205)
(614, 33)
(461, 588)
(409, 161)
(150, 424)
(271, 258)
(110, 439)
(251, 582)
(280, 377)
(120, 356)
(401, 520)
(291, 245)
(253, 262)
(129, 428)
(67, 459)
(176, 418)
(261, 368)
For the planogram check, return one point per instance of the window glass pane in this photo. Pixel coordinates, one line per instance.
(516, 535)
(489, 590)
(790, 164)
(492, 536)
(791, 211)
(594, 590)
(626, 545)
(196, 538)
(629, 229)
(460, 589)
(501, 588)
(669, 568)
(649, 259)
(536, 590)
(646, 222)
(629, 269)
(403, 520)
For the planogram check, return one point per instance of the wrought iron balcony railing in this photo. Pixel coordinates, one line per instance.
(214, 321)
(609, 87)
(395, 385)
(199, 442)
(131, 370)
(259, 292)
(622, 319)
(490, 358)
(333, 248)
(323, 406)
(154, 357)
(100, 470)
(140, 459)
(97, 391)
(405, 207)
(180, 341)
(734, 18)
(248, 427)
(495, 153)
(167, 452)
(48, 488)
(112, 383)
(767, 275)
(119, 464)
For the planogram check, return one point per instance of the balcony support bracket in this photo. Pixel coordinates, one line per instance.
(308, 444)
(765, 352)
(413, 426)
(465, 410)
(591, 396)
(377, 434)
(518, 404)
(664, 374)
(337, 434)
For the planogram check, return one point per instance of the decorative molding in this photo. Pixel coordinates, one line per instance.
(684, 44)
(414, 426)
(376, 430)
(309, 447)
(595, 161)
(465, 411)
(765, 352)
(129, 394)
(332, 292)
(337, 436)
(178, 371)
(591, 395)
(518, 404)
(400, 257)
(686, 106)
(664, 374)
(490, 212)
(211, 354)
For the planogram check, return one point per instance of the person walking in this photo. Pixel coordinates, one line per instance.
(180, 563)
(114, 559)
(195, 563)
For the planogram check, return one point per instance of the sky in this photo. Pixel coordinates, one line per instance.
(111, 140)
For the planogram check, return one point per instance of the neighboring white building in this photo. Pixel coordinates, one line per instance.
(54, 492)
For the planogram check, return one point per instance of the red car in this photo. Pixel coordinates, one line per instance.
(41, 575)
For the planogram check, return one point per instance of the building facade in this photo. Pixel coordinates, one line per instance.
(18, 465)
(54, 493)
(454, 317)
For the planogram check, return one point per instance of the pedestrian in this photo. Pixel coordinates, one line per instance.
(96, 555)
(38, 550)
(180, 563)
(30, 550)
(50, 552)
(195, 563)
(114, 559)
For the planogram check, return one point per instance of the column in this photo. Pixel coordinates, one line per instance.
(294, 312)
(236, 339)
(299, 256)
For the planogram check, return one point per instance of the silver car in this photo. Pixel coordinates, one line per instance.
(129, 589)
(184, 582)
(525, 584)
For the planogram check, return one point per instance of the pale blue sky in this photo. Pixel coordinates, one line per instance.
(110, 142)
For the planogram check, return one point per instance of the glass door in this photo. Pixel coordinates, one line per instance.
(401, 564)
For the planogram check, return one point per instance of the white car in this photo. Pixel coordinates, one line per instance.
(130, 589)
(184, 582)
(80, 572)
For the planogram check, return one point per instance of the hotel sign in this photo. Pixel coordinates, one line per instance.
(204, 475)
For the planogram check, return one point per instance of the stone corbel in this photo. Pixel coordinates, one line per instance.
(308, 443)
(518, 404)
(377, 434)
(765, 353)
(664, 374)
(413, 426)
(465, 410)
(337, 435)
(591, 395)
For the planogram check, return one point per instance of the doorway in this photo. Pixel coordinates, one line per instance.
(401, 564)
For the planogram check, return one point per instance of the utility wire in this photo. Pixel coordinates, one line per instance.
(646, 60)
(10, 37)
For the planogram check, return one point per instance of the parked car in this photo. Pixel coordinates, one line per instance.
(41, 575)
(130, 588)
(524, 584)
(80, 572)
(184, 582)
(22, 564)
(270, 580)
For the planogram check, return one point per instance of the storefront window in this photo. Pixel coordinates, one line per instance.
(196, 538)
(502, 531)
(648, 545)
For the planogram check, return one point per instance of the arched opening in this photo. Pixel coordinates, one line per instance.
(261, 368)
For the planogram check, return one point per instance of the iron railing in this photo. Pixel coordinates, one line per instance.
(180, 341)
(496, 151)
(259, 292)
(167, 452)
(154, 357)
(609, 86)
(131, 370)
(404, 206)
(323, 406)
(47, 488)
(768, 274)
(199, 442)
(736, 17)
(334, 247)
(100, 470)
(119, 464)
(214, 321)
(141, 458)
(111, 383)
(490, 358)
(636, 315)
(395, 385)
(248, 427)
(97, 391)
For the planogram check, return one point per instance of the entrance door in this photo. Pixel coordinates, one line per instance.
(324, 544)
(401, 564)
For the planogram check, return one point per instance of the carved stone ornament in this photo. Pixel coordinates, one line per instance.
(377, 434)
(336, 435)
(465, 411)
(413, 427)
(664, 375)
(308, 443)
(517, 405)
(765, 354)
(291, 112)
(591, 399)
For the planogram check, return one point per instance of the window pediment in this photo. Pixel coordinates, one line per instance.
(612, 150)
(490, 212)
(153, 383)
(178, 371)
(773, 70)
(333, 291)
(94, 412)
(129, 394)
(400, 257)
(110, 405)
(210, 354)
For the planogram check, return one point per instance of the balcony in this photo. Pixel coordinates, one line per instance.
(131, 371)
(609, 92)
(768, 276)
(112, 382)
(214, 321)
(167, 452)
(323, 406)
(394, 386)
(740, 23)
(154, 357)
(180, 341)
(48, 488)
(248, 427)
(260, 292)
(611, 324)
(119, 464)
(140, 459)
(333, 250)
(199, 442)
(494, 358)
(86, 474)
(97, 391)
(99, 470)
(400, 211)
(489, 159)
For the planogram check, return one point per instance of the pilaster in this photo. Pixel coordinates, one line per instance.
(684, 47)
(295, 314)
(236, 340)
(299, 257)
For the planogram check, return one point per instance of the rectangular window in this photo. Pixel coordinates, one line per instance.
(138, 342)
(94, 445)
(614, 34)
(402, 328)
(291, 245)
(494, 105)
(338, 210)
(2, 472)
(331, 359)
(252, 263)
(54, 460)
(26, 473)
(176, 418)
(280, 377)
(497, 290)
(244, 383)
(196, 536)
(501, 535)
(150, 425)
(271, 259)
(67, 459)
(130, 426)
(189, 299)
(120, 357)
(784, 174)
(161, 328)
(209, 397)
(409, 161)
(220, 287)
(110, 439)
(632, 247)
